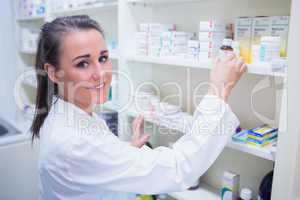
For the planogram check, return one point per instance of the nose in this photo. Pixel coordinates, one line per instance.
(99, 72)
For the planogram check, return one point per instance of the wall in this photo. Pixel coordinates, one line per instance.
(7, 60)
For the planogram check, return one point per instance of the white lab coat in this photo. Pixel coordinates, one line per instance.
(81, 159)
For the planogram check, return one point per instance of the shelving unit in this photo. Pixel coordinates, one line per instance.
(259, 68)
(187, 74)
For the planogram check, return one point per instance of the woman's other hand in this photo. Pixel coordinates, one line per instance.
(225, 73)
(139, 138)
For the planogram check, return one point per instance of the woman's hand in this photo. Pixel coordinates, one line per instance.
(139, 138)
(225, 74)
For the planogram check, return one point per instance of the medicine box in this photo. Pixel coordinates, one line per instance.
(230, 186)
(212, 25)
(242, 34)
(280, 27)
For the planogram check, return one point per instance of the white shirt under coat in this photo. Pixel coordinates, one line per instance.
(80, 159)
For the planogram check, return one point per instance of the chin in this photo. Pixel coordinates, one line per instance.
(98, 101)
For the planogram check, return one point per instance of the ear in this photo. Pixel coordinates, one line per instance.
(52, 72)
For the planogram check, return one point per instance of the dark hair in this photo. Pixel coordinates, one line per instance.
(48, 51)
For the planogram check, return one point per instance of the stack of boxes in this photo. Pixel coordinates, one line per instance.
(174, 43)
(256, 39)
(141, 43)
(242, 34)
(148, 39)
(262, 136)
(193, 50)
(211, 35)
(254, 34)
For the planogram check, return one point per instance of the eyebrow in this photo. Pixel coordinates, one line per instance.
(88, 55)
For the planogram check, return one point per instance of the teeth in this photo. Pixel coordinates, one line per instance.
(100, 86)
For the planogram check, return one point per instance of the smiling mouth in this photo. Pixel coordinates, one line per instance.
(100, 86)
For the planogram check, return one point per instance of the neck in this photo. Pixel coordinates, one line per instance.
(85, 107)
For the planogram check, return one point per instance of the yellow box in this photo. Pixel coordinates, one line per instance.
(242, 34)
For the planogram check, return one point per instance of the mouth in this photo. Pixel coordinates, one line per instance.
(100, 86)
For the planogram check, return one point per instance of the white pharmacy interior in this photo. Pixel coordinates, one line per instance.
(166, 48)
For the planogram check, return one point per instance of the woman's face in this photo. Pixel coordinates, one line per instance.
(85, 69)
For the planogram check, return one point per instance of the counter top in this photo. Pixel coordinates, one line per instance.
(23, 126)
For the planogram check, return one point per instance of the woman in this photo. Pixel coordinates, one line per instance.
(79, 157)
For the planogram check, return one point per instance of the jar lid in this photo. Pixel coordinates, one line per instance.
(246, 194)
(227, 42)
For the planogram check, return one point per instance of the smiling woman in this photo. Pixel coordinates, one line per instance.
(73, 64)
(80, 158)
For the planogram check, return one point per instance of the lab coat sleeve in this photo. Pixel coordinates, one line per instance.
(106, 163)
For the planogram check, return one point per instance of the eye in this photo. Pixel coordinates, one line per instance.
(103, 59)
(82, 64)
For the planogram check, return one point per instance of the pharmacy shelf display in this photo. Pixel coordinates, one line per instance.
(146, 63)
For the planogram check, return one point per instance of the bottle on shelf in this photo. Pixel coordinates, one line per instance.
(230, 186)
(246, 194)
(226, 47)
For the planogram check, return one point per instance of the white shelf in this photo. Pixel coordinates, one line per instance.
(31, 18)
(111, 106)
(160, 1)
(114, 55)
(205, 192)
(87, 8)
(259, 68)
(267, 152)
(29, 52)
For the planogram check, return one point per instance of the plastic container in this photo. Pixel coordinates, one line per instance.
(246, 194)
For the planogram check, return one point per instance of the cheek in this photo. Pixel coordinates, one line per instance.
(75, 82)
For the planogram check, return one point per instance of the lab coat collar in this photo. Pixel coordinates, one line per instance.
(72, 112)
